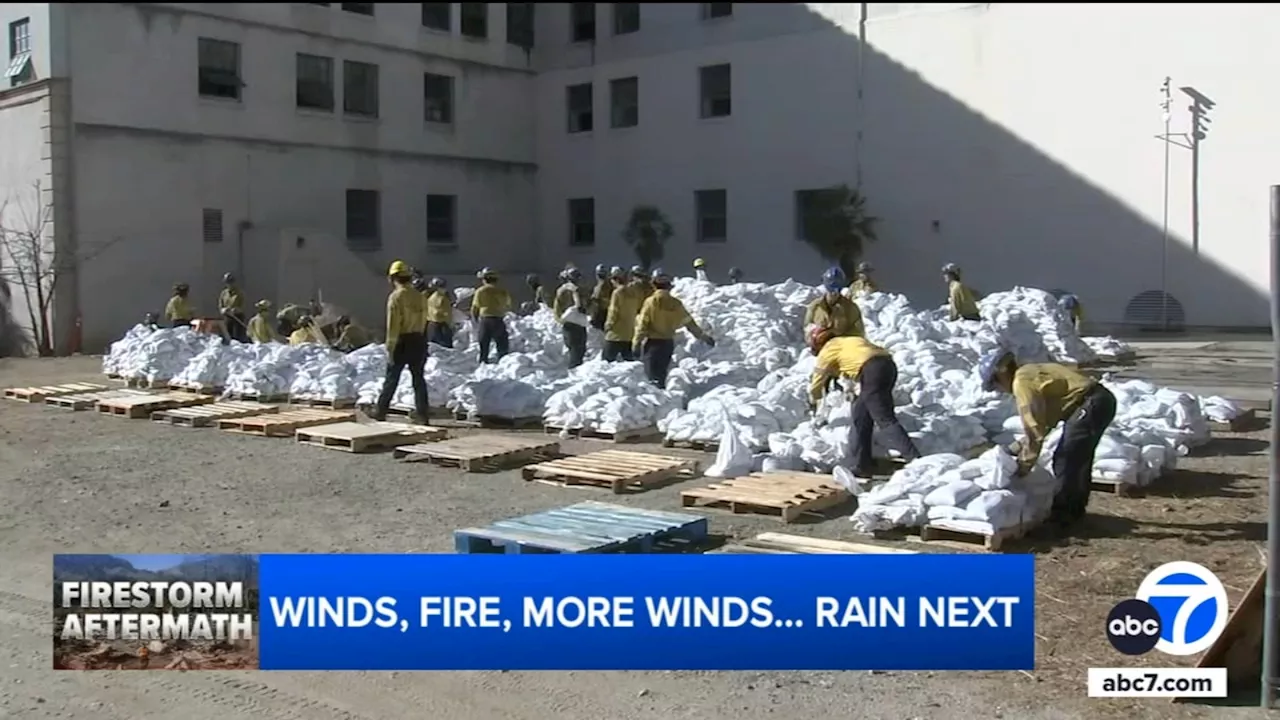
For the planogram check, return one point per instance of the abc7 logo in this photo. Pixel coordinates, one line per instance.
(1134, 627)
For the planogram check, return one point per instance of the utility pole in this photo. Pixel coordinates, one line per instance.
(1271, 626)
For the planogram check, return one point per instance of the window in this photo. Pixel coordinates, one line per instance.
(520, 24)
(580, 100)
(716, 10)
(582, 222)
(582, 20)
(624, 102)
(320, 4)
(219, 69)
(437, 98)
(212, 224)
(314, 86)
(626, 18)
(364, 219)
(809, 203)
(359, 88)
(359, 8)
(712, 207)
(437, 16)
(475, 20)
(715, 91)
(442, 219)
(19, 70)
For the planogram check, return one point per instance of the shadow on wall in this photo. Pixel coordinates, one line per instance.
(14, 339)
(953, 186)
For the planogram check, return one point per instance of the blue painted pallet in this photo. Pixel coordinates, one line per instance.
(587, 527)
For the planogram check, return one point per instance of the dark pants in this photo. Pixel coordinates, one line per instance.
(656, 356)
(235, 324)
(440, 333)
(974, 318)
(493, 331)
(615, 350)
(285, 328)
(575, 341)
(874, 407)
(598, 317)
(181, 323)
(410, 353)
(1073, 460)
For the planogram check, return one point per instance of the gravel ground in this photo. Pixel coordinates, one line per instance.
(81, 482)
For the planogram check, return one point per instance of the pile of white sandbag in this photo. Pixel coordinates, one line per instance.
(154, 355)
(608, 398)
(1219, 409)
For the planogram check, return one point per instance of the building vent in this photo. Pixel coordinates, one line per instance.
(212, 225)
(1155, 310)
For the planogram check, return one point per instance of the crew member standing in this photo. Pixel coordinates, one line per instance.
(259, 327)
(536, 291)
(862, 282)
(660, 317)
(569, 296)
(231, 306)
(600, 295)
(620, 319)
(406, 344)
(1048, 394)
(872, 367)
(833, 311)
(178, 312)
(700, 270)
(489, 307)
(735, 276)
(440, 314)
(1071, 304)
(641, 280)
(962, 301)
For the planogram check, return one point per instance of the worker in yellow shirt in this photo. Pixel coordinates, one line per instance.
(1048, 394)
(1071, 305)
(307, 333)
(537, 293)
(601, 293)
(735, 276)
(350, 335)
(569, 296)
(178, 312)
(259, 327)
(873, 369)
(961, 299)
(660, 317)
(489, 307)
(700, 270)
(862, 282)
(231, 307)
(406, 344)
(620, 320)
(439, 313)
(641, 278)
(833, 311)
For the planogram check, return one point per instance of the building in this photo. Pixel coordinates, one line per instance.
(303, 146)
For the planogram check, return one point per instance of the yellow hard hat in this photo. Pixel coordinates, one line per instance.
(699, 263)
(263, 305)
(399, 267)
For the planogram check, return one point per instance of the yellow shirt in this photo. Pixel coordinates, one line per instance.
(964, 302)
(841, 316)
(305, 335)
(178, 309)
(1047, 394)
(624, 308)
(863, 286)
(440, 307)
(601, 294)
(568, 295)
(231, 299)
(490, 301)
(406, 314)
(841, 357)
(661, 316)
(259, 329)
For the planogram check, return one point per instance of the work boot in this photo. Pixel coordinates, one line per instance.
(373, 414)
(418, 419)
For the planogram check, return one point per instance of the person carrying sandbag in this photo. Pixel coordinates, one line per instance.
(833, 311)
(178, 312)
(660, 317)
(569, 309)
(620, 321)
(440, 313)
(489, 307)
(873, 369)
(962, 301)
(1048, 394)
(406, 344)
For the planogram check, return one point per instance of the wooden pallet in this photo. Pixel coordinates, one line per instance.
(39, 394)
(201, 416)
(699, 445)
(476, 453)
(357, 437)
(199, 390)
(1241, 423)
(589, 527)
(1121, 489)
(284, 424)
(494, 422)
(619, 436)
(278, 399)
(938, 531)
(86, 401)
(145, 384)
(783, 544)
(141, 406)
(785, 494)
(332, 403)
(618, 470)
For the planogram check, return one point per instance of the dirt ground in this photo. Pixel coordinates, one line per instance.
(82, 482)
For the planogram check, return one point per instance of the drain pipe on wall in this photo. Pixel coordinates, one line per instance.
(861, 108)
(1271, 628)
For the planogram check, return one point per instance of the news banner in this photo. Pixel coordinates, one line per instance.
(545, 612)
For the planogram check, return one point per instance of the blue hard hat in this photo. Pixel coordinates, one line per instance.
(834, 280)
(659, 275)
(1069, 301)
(988, 365)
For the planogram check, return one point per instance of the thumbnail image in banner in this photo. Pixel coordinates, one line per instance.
(155, 612)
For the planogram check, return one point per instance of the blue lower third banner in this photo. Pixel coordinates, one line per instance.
(647, 612)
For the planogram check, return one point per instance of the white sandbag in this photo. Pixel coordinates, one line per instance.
(733, 458)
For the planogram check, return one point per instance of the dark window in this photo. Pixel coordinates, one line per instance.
(717, 99)
(579, 99)
(475, 20)
(359, 8)
(712, 208)
(582, 222)
(314, 86)
(219, 69)
(624, 102)
(437, 98)
(359, 88)
(442, 220)
(716, 10)
(364, 219)
(582, 19)
(520, 24)
(437, 16)
(626, 18)
(809, 203)
(212, 225)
